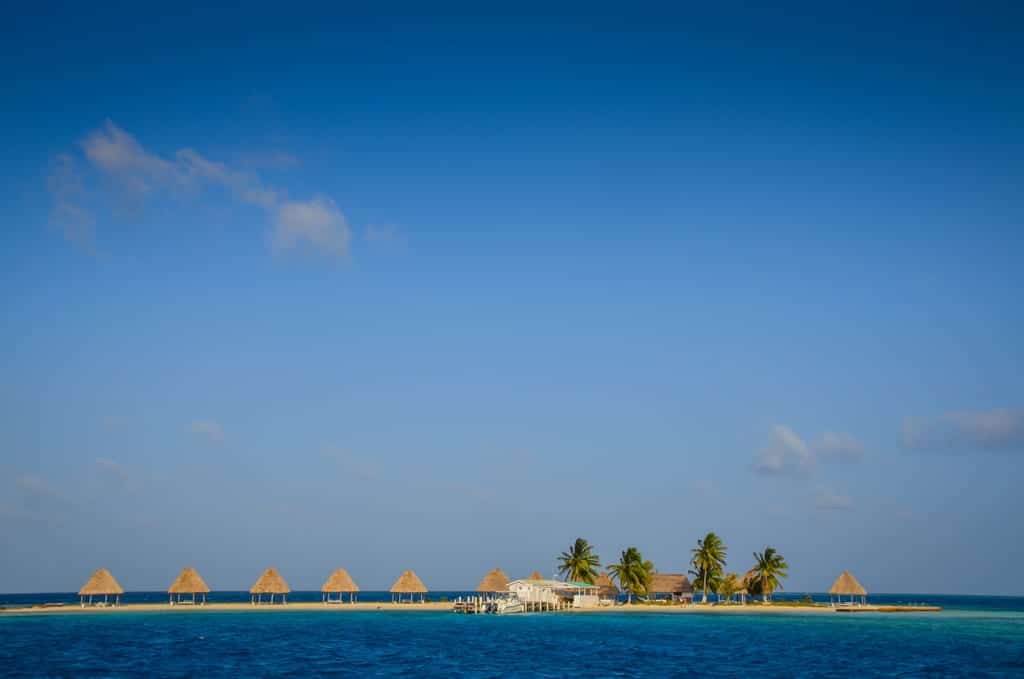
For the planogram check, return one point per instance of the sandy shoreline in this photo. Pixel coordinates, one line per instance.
(434, 606)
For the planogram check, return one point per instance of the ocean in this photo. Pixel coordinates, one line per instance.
(976, 636)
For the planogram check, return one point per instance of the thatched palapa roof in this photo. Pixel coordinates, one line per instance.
(535, 576)
(846, 584)
(188, 582)
(340, 581)
(494, 581)
(270, 582)
(605, 586)
(102, 583)
(408, 583)
(669, 583)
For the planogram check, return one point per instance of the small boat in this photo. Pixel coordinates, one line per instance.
(508, 606)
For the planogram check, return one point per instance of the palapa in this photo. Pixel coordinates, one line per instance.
(494, 581)
(339, 581)
(408, 583)
(847, 585)
(606, 588)
(188, 582)
(101, 583)
(270, 583)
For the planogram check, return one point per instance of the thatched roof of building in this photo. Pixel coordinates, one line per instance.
(606, 587)
(188, 582)
(102, 583)
(494, 581)
(340, 581)
(535, 576)
(669, 583)
(270, 582)
(846, 584)
(408, 583)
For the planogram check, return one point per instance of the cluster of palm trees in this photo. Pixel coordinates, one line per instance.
(633, 573)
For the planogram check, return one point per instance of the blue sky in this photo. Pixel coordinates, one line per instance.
(447, 291)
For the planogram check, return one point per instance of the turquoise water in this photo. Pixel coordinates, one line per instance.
(956, 642)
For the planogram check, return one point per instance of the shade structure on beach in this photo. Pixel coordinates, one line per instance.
(189, 582)
(673, 586)
(408, 583)
(102, 583)
(270, 583)
(535, 576)
(606, 589)
(339, 582)
(494, 581)
(847, 585)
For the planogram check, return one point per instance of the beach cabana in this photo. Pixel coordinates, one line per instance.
(673, 587)
(408, 583)
(535, 576)
(339, 583)
(270, 583)
(188, 582)
(102, 583)
(494, 582)
(606, 588)
(846, 585)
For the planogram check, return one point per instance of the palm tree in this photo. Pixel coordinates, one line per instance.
(708, 561)
(729, 585)
(769, 566)
(579, 564)
(632, 572)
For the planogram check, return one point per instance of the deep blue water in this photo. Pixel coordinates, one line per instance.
(986, 640)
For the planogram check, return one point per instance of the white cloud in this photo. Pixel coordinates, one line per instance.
(839, 446)
(318, 222)
(827, 500)
(140, 173)
(69, 213)
(999, 429)
(114, 468)
(36, 486)
(209, 429)
(117, 153)
(786, 454)
(383, 234)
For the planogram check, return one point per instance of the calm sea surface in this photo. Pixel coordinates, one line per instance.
(977, 636)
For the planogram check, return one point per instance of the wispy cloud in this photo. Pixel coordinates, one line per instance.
(838, 446)
(114, 468)
(358, 467)
(36, 486)
(207, 428)
(139, 174)
(69, 196)
(1001, 429)
(786, 454)
(829, 501)
(383, 234)
(318, 222)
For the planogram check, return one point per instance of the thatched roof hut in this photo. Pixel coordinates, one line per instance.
(188, 582)
(847, 585)
(408, 583)
(535, 576)
(494, 581)
(606, 588)
(102, 583)
(339, 581)
(674, 586)
(270, 583)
